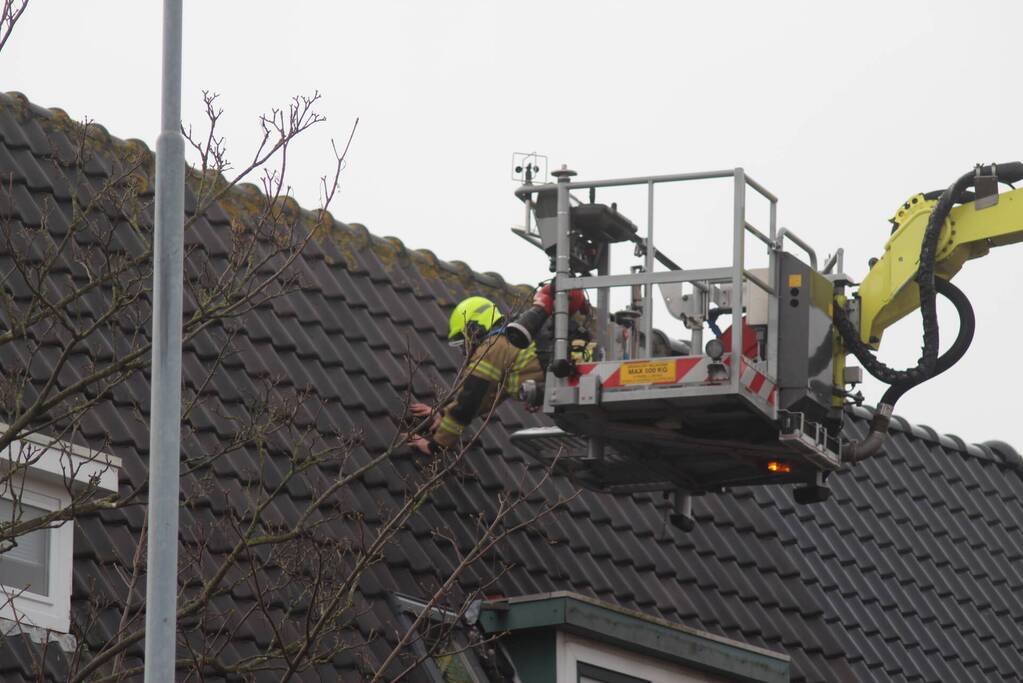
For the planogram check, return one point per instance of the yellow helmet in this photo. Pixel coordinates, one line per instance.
(477, 315)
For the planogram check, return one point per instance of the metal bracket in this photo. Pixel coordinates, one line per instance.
(816, 444)
(986, 189)
(690, 308)
(813, 492)
(852, 311)
(852, 374)
(555, 395)
(682, 514)
(589, 390)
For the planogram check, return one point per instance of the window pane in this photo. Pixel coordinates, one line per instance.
(27, 565)
(588, 673)
(454, 669)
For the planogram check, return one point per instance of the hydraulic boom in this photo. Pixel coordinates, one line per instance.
(888, 292)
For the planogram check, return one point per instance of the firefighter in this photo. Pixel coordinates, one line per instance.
(495, 371)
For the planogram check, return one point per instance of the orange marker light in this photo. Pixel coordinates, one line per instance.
(780, 467)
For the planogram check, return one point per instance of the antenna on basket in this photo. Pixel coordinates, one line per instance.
(527, 168)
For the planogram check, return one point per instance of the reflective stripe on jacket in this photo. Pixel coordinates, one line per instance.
(503, 368)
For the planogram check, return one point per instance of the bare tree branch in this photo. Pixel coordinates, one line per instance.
(10, 12)
(75, 308)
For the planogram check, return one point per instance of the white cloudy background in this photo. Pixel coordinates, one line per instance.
(841, 109)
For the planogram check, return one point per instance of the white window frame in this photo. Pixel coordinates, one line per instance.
(51, 611)
(57, 471)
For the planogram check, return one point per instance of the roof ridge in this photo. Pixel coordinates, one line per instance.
(994, 450)
(344, 235)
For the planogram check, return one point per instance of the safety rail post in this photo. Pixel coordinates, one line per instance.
(772, 239)
(774, 219)
(773, 302)
(696, 334)
(562, 265)
(648, 295)
(604, 305)
(738, 267)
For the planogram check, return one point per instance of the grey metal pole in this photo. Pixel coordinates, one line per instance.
(773, 301)
(165, 415)
(648, 293)
(562, 264)
(604, 307)
(696, 340)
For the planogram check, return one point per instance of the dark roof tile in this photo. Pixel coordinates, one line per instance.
(909, 573)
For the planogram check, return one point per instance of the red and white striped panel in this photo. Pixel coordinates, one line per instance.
(757, 383)
(669, 371)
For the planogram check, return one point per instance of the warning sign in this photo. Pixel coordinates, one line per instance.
(648, 372)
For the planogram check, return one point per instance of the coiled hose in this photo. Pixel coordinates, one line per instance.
(871, 445)
(930, 363)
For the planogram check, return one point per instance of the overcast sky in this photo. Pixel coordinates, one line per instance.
(841, 109)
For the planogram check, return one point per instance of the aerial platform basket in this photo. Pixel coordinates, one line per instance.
(739, 411)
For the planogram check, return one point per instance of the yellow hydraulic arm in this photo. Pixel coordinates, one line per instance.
(931, 236)
(888, 292)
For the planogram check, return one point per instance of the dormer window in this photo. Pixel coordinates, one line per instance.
(568, 638)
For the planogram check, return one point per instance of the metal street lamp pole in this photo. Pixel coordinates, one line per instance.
(165, 415)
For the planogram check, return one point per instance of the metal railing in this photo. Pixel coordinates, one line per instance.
(734, 276)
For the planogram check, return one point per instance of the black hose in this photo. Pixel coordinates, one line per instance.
(871, 445)
(930, 364)
(712, 319)
(925, 366)
(967, 326)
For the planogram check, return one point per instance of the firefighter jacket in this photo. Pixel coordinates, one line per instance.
(495, 371)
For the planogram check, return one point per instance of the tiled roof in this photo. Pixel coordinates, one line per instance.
(910, 572)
